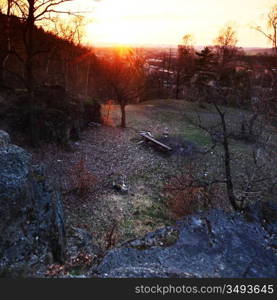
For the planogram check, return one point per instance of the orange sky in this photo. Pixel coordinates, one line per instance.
(166, 21)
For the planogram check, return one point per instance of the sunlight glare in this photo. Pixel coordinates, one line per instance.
(129, 22)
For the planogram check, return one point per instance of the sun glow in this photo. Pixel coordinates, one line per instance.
(128, 22)
(115, 33)
(120, 22)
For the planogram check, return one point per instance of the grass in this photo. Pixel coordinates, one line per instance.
(198, 136)
(144, 208)
(181, 118)
(127, 229)
(158, 212)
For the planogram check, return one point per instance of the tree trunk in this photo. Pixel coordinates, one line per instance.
(177, 84)
(123, 115)
(251, 124)
(29, 45)
(88, 77)
(229, 181)
(29, 69)
(4, 59)
(168, 84)
(227, 160)
(2, 63)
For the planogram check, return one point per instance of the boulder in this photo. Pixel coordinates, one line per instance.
(4, 138)
(209, 244)
(31, 223)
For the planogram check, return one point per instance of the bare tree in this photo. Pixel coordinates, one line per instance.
(225, 44)
(123, 79)
(226, 54)
(71, 28)
(184, 66)
(227, 159)
(8, 6)
(271, 32)
(244, 176)
(31, 12)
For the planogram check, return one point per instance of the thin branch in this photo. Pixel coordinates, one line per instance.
(21, 78)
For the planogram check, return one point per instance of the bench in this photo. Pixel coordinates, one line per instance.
(147, 137)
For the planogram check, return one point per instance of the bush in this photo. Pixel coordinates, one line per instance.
(185, 195)
(182, 195)
(82, 180)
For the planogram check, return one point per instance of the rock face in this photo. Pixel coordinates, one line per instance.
(31, 214)
(54, 115)
(211, 244)
(4, 138)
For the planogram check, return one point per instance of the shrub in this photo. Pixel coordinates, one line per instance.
(82, 180)
(185, 195)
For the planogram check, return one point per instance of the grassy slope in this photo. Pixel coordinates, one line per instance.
(110, 151)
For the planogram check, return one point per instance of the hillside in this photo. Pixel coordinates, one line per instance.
(57, 60)
(125, 162)
(110, 232)
(112, 155)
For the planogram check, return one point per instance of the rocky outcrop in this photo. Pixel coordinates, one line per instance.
(210, 244)
(4, 138)
(52, 115)
(31, 222)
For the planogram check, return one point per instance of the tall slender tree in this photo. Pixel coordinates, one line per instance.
(31, 12)
(7, 7)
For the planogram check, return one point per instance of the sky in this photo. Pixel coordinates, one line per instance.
(165, 22)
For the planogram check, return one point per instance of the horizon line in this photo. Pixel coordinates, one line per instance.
(110, 45)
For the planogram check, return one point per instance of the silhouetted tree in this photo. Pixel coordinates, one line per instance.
(205, 60)
(271, 34)
(225, 44)
(254, 176)
(6, 44)
(31, 12)
(185, 63)
(226, 53)
(123, 79)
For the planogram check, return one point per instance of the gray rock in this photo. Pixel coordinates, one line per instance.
(211, 244)
(4, 138)
(32, 222)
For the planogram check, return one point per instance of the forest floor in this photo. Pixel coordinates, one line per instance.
(108, 154)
